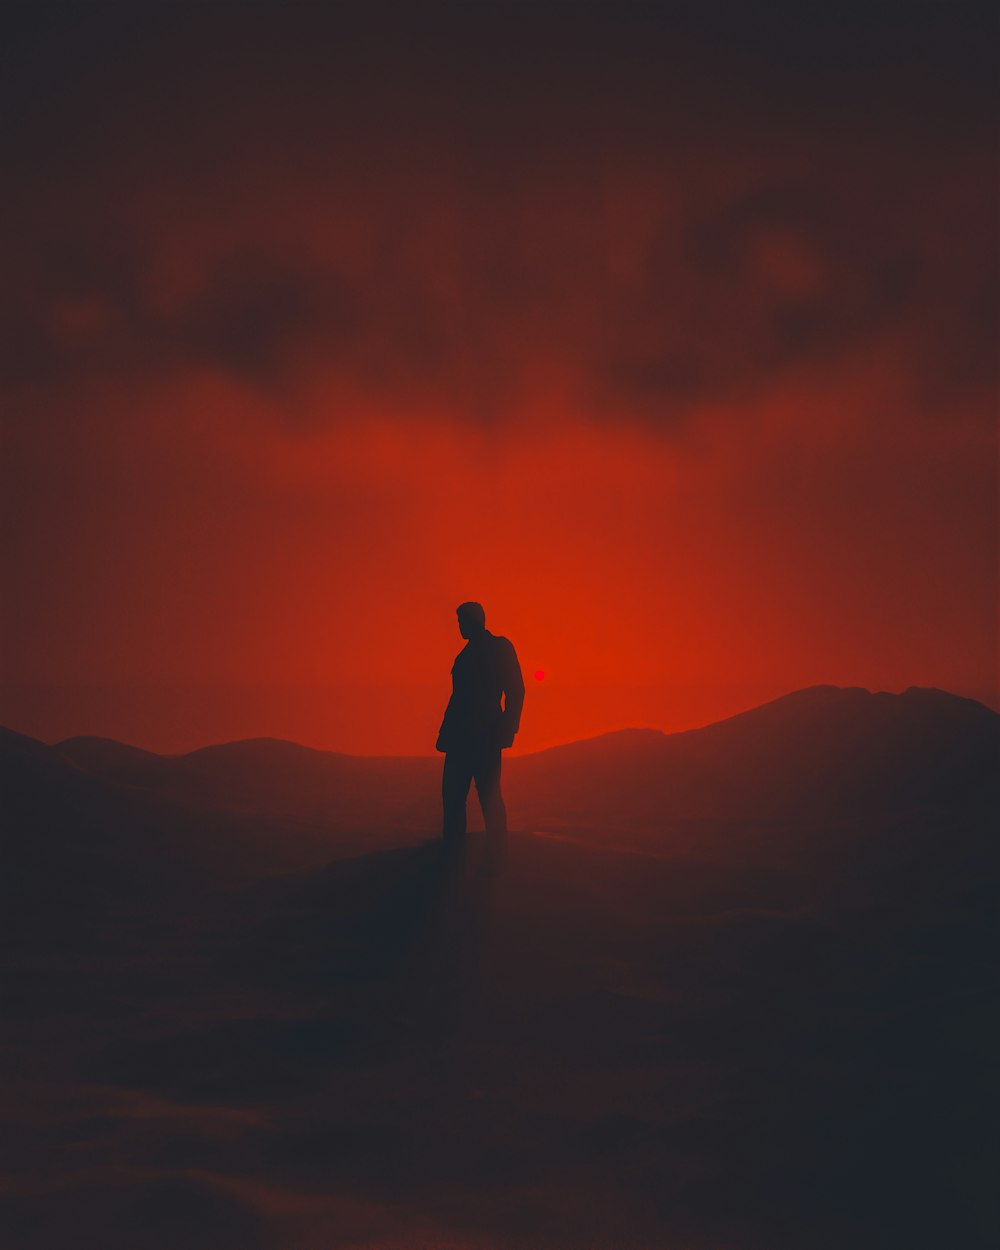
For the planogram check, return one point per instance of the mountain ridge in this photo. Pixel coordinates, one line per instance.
(74, 744)
(820, 756)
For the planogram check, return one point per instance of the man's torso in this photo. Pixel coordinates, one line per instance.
(477, 683)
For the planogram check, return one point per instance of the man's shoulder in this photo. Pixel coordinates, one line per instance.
(502, 643)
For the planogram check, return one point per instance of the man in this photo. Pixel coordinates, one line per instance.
(476, 727)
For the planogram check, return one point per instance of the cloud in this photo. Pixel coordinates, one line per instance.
(257, 311)
(764, 284)
(412, 230)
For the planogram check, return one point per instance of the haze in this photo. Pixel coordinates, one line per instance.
(674, 345)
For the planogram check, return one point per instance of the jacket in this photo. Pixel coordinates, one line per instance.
(484, 670)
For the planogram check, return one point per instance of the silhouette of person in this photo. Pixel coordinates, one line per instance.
(476, 727)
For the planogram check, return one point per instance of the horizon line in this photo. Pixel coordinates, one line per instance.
(646, 729)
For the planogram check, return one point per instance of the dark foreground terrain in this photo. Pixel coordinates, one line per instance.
(763, 1034)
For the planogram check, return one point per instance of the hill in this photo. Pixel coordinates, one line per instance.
(666, 1030)
(826, 755)
(101, 755)
(818, 758)
(275, 779)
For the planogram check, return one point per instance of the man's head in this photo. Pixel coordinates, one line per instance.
(471, 619)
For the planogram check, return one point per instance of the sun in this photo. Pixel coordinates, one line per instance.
(539, 674)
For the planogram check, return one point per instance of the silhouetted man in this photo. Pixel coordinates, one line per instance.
(476, 726)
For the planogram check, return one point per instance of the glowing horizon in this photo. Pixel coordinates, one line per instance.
(696, 396)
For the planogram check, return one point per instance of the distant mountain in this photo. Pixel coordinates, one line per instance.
(40, 786)
(84, 851)
(101, 755)
(67, 846)
(278, 780)
(818, 759)
(814, 757)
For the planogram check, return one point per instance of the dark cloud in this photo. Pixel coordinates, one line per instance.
(256, 311)
(720, 304)
(770, 281)
(788, 162)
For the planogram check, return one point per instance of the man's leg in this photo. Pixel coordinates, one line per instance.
(455, 782)
(487, 774)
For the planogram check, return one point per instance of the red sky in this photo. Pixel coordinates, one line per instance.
(674, 344)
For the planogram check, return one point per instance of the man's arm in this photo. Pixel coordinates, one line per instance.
(443, 732)
(513, 691)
